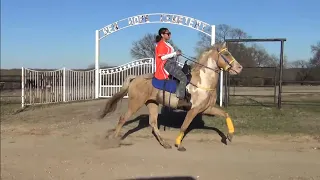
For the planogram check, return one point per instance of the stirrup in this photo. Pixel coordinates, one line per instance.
(184, 101)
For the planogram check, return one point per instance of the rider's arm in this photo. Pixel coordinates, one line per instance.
(167, 56)
(163, 52)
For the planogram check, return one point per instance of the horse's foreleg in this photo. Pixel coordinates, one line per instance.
(153, 121)
(187, 121)
(217, 111)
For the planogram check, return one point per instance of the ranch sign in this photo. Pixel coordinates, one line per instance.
(157, 18)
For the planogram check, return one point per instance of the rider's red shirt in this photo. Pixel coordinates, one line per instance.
(162, 49)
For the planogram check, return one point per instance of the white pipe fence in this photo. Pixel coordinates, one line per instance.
(62, 85)
(111, 79)
(65, 85)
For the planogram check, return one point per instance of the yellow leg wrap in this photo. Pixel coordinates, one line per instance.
(179, 138)
(230, 125)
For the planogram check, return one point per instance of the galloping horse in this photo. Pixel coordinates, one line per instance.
(146, 90)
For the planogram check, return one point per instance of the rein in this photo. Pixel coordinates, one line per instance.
(217, 70)
(228, 66)
(193, 60)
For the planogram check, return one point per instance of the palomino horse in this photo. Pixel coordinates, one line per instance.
(202, 88)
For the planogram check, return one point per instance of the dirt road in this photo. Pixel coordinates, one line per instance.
(50, 144)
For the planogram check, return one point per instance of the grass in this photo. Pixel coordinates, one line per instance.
(300, 114)
(270, 120)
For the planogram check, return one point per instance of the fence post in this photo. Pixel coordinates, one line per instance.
(280, 75)
(64, 84)
(226, 89)
(221, 88)
(97, 67)
(22, 87)
(275, 86)
(153, 66)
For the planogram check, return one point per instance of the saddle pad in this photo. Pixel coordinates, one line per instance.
(168, 85)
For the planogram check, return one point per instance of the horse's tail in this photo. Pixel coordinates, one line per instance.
(111, 104)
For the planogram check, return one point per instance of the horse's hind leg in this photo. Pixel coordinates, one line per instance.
(134, 105)
(153, 121)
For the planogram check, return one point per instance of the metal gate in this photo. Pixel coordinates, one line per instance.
(62, 85)
(111, 79)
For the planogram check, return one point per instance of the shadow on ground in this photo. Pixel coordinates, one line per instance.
(165, 178)
(171, 119)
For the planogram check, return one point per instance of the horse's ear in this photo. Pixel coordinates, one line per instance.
(224, 45)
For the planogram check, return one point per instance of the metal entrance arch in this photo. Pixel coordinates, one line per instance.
(149, 18)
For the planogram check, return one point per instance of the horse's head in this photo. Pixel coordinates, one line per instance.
(225, 60)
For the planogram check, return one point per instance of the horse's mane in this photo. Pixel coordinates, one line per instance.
(203, 58)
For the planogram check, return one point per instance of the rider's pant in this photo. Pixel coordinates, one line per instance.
(173, 69)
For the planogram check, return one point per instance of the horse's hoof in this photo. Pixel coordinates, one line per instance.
(224, 140)
(181, 148)
(230, 136)
(167, 146)
(109, 134)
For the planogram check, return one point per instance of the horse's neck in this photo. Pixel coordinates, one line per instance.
(206, 78)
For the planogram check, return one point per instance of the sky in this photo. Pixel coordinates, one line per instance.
(61, 33)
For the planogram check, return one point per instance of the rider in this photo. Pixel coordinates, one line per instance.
(165, 64)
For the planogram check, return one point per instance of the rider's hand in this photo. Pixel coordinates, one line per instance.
(178, 52)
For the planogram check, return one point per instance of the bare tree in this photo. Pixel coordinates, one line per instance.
(316, 47)
(253, 56)
(304, 69)
(203, 44)
(145, 47)
(261, 57)
(237, 33)
(300, 64)
(276, 60)
(223, 32)
(315, 59)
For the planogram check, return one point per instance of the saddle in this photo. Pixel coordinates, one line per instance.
(170, 84)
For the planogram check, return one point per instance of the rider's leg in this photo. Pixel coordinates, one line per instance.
(176, 71)
(181, 89)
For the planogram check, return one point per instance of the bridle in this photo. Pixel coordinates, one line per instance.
(217, 70)
(229, 64)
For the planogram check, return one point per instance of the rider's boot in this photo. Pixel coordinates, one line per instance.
(183, 103)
